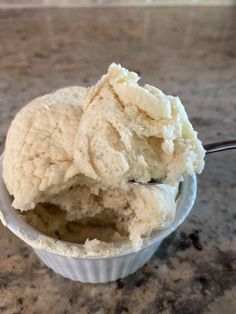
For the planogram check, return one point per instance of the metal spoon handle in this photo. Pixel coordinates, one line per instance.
(220, 146)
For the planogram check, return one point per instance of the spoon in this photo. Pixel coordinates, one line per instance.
(209, 148)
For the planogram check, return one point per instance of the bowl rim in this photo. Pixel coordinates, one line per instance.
(14, 222)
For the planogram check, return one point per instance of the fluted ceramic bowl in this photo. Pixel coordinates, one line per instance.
(93, 269)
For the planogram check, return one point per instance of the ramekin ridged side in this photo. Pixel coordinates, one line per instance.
(97, 270)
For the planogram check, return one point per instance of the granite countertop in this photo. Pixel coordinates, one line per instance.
(189, 52)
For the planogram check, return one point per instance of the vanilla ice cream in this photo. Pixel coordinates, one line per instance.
(77, 148)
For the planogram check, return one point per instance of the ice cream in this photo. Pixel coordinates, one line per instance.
(133, 132)
(113, 214)
(78, 148)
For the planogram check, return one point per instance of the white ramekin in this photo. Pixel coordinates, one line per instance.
(94, 269)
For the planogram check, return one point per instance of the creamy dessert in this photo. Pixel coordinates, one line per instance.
(70, 155)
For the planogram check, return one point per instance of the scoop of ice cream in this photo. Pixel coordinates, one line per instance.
(38, 156)
(111, 215)
(131, 132)
(114, 132)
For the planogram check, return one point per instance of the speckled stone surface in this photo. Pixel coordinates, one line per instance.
(190, 52)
